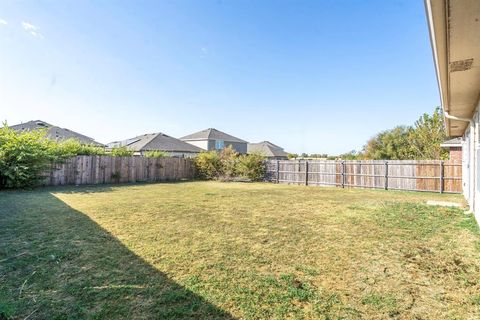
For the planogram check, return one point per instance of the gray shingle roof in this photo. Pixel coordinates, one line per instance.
(211, 134)
(54, 132)
(155, 141)
(267, 148)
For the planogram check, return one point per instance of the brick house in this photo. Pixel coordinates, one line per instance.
(454, 146)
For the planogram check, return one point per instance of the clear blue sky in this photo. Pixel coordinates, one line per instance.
(312, 76)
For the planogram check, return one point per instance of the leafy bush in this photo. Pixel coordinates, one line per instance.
(24, 157)
(121, 152)
(208, 165)
(155, 154)
(72, 147)
(228, 165)
(252, 166)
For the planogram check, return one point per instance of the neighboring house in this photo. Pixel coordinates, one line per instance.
(455, 41)
(213, 139)
(268, 149)
(454, 147)
(54, 132)
(157, 142)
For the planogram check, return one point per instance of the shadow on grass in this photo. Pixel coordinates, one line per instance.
(55, 262)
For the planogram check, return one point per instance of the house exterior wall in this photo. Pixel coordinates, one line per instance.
(173, 154)
(456, 153)
(199, 143)
(450, 24)
(183, 154)
(466, 165)
(471, 165)
(240, 147)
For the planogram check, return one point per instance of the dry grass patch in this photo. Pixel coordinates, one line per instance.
(236, 250)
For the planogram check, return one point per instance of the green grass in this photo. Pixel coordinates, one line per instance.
(235, 250)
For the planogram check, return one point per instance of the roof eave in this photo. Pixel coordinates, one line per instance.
(450, 145)
(453, 26)
(438, 39)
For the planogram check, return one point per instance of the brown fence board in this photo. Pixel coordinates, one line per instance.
(104, 169)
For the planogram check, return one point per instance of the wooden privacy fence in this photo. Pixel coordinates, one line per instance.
(419, 175)
(106, 169)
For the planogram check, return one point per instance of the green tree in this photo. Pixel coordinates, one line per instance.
(319, 155)
(391, 144)
(427, 135)
(352, 155)
(420, 141)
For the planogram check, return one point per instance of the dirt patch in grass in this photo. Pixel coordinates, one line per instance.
(236, 250)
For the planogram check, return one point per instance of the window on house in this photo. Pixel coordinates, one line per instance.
(219, 144)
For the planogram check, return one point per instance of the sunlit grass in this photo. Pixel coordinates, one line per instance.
(220, 250)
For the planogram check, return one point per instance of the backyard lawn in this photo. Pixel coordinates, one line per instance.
(235, 250)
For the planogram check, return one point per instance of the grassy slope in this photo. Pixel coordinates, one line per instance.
(222, 250)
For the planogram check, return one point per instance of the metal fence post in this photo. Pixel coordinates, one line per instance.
(386, 175)
(343, 174)
(278, 171)
(442, 178)
(306, 172)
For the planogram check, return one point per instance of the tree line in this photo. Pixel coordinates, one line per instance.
(420, 141)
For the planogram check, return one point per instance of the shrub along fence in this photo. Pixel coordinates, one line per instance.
(105, 169)
(419, 175)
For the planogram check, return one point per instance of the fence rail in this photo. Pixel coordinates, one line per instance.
(421, 175)
(105, 169)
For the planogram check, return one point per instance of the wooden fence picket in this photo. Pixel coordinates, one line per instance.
(413, 175)
(105, 169)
